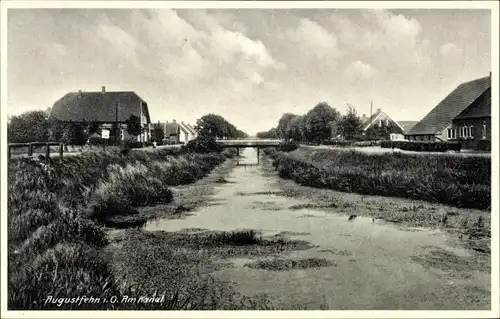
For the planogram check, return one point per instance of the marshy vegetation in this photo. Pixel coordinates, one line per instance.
(56, 208)
(452, 180)
(182, 263)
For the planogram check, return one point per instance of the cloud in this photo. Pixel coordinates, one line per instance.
(193, 45)
(386, 39)
(359, 70)
(315, 41)
(450, 50)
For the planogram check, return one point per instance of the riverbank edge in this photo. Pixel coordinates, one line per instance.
(401, 212)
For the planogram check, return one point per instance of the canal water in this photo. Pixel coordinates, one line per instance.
(375, 263)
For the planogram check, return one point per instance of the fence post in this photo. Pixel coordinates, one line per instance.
(30, 149)
(47, 150)
(61, 149)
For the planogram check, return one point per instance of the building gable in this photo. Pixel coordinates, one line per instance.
(451, 106)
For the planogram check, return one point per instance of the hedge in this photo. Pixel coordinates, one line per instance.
(348, 143)
(461, 181)
(423, 146)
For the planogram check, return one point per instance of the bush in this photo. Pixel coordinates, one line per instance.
(347, 143)
(453, 180)
(203, 144)
(132, 144)
(53, 239)
(287, 146)
(484, 145)
(423, 146)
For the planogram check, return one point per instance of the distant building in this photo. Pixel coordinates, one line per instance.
(176, 133)
(381, 119)
(172, 132)
(465, 114)
(407, 125)
(195, 134)
(187, 134)
(104, 108)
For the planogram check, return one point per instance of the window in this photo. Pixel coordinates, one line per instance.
(463, 131)
(483, 131)
(471, 131)
(452, 133)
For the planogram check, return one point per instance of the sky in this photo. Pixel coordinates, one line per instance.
(247, 65)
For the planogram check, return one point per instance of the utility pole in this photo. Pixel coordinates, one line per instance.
(371, 109)
(116, 123)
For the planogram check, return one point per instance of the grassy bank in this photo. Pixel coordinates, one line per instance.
(181, 263)
(452, 180)
(469, 227)
(56, 209)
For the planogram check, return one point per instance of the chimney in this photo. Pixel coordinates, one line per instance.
(103, 89)
(79, 94)
(378, 110)
(175, 121)
(490, 74)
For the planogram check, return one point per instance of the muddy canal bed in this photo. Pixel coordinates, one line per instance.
(310, 256)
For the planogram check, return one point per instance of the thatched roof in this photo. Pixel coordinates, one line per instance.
(99, 107)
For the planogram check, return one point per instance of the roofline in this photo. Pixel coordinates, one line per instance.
(382, 112)
(441, 101)
(376, 117)
(471, 117)
(183, 129)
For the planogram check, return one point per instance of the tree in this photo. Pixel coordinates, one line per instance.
(350, 126)
(318, 122)
(133, 125)
(157, 133)
(293, 131)
(241, 134)
(283, 124)
(216, 126)
(31, 126)
(271, 134)
(383, 131)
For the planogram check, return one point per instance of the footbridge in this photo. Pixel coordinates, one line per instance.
(254, 143)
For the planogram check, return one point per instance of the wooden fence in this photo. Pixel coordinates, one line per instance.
(32, 145)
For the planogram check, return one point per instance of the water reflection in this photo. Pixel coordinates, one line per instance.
(375, 262)
(250, 158)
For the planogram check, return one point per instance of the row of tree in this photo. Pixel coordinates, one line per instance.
(38, 126)
(323, 123)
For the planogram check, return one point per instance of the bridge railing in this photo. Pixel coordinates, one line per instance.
(32, 145)
(249, 142)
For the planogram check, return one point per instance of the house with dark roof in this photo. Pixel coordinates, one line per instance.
(407, 125)
(172, 132)
(465, 114)
(104, 108)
